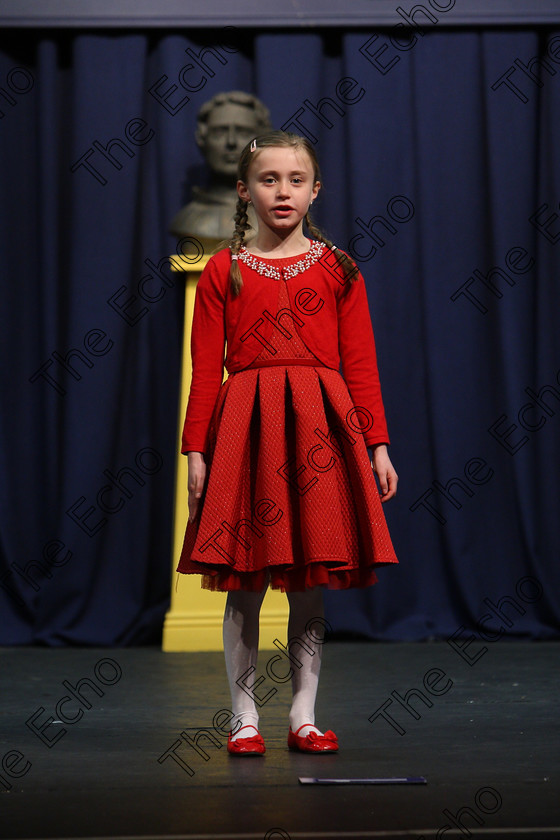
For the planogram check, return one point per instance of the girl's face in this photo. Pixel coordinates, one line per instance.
(280, 186)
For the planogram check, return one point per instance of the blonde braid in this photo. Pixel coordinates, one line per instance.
(348, 265)
(241, 220)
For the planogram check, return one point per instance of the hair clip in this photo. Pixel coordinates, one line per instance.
(235, 256)
(333, 247)
(254, 145)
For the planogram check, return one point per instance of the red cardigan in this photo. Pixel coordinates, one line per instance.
(337, 329)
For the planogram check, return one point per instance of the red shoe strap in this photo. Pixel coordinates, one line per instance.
(305, 724)
(247, 725)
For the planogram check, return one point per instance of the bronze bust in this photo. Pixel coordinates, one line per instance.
(225, 124)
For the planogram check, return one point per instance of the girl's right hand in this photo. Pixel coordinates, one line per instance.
(197, 477)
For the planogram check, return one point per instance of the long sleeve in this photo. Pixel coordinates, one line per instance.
(356, 346)
(208, 339)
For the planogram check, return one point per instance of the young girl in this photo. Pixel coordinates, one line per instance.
(281, 490)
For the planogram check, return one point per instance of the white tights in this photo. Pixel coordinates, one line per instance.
(241, 645)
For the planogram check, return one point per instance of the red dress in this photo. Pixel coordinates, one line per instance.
(290, 497)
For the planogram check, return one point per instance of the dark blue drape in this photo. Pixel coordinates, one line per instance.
(440, 163)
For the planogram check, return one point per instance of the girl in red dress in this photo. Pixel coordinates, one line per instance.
(281, 489)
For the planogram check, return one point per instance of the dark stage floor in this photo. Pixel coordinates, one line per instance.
(488, 745)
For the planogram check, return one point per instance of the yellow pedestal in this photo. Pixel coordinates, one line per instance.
(194, 619)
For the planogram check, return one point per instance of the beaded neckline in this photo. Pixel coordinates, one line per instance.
(265, 268)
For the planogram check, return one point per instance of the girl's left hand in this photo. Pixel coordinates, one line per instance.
(386, 474)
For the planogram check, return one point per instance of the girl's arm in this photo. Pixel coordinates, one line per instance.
(385, 471)
(207, 351)
(197, 477)
(358, 356)
(208, 338)
(359, 368)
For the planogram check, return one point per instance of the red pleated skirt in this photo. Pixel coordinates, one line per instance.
(290, 497)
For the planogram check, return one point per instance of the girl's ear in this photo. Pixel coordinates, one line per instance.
(242, 191)
(316, 188)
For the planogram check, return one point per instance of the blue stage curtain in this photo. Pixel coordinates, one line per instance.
(439, 153)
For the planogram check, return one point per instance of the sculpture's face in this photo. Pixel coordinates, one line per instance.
(229, 128)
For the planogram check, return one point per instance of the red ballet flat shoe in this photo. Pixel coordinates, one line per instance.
(313, 742)
(246, 746)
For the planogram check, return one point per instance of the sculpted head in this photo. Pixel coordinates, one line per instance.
(225, 124)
